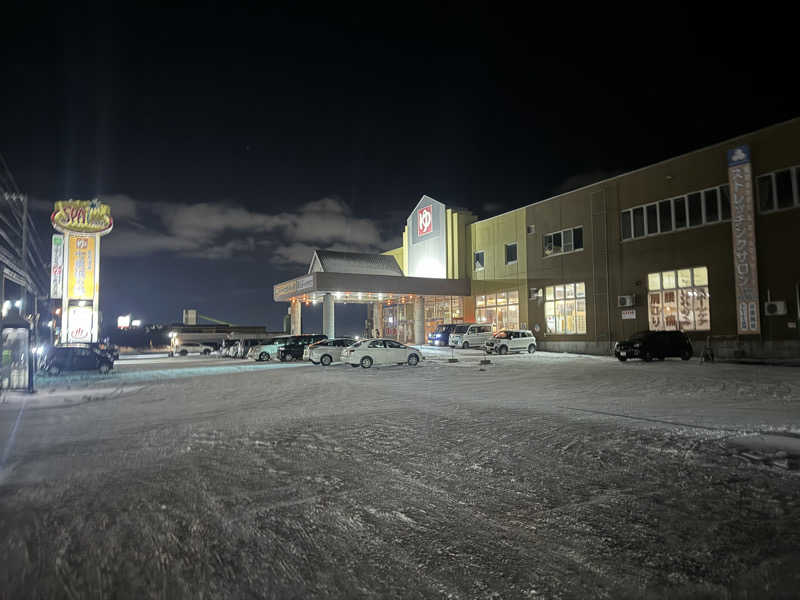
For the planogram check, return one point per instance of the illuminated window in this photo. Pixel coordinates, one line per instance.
(565, 309)
(679, 300)
(500, 309)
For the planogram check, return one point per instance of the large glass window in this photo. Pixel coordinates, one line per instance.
(565, 308)
(480, 260)
(501, 310)
(679, 300)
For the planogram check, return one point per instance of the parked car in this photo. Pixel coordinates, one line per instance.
(648, 345)
(328, 351)
(244, 345)
(470, 335)
(441, 335)
(268, 349)
(111, 349)
(185, 348)
(511, 340)
(294, 348)
(77, 357)
(380, 352)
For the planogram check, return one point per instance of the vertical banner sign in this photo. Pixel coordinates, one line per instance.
(57, 266)
(80, 283)
(745, 270)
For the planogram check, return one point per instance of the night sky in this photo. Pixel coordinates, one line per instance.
(232, 142)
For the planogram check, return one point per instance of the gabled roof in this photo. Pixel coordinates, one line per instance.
(354, 263)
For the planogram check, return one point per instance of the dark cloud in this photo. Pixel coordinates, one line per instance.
(224, 231)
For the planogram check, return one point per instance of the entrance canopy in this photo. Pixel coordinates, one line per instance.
(357, 287)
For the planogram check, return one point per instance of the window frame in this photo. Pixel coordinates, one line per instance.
(475, 262)
(674, 201)
(516, 253)
(561, 234)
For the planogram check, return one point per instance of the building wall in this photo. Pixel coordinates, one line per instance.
(611, 267)
(491, 236)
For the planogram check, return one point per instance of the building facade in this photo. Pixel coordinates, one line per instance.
(662, 247)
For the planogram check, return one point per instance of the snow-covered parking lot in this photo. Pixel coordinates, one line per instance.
(533, 476)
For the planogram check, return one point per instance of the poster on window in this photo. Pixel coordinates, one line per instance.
(745, 271)
(654, 311)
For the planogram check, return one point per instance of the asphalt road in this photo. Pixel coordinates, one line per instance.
(538, 476)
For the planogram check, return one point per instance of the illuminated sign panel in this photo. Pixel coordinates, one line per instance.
(57, 267)
(80, 324)
(424, 220)
(745, 271)
(82, 216)
(81, 278)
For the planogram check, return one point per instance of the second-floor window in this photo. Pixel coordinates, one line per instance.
(564, 241)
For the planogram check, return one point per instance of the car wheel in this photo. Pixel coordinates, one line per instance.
(413, 360)
(366, 362)
(503, 350)
(263, 356)
(183, 352)
(686, 355)
(326, 360)
(104, 369)
(531, 348)
(206, 351)
(54, 370)
(465, 345)
(647, 357)
(622, 358)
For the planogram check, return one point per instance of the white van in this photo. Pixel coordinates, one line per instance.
(470, 335)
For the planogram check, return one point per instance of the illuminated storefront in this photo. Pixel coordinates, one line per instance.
(641, 250)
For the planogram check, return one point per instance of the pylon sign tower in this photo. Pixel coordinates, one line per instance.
(75, 270)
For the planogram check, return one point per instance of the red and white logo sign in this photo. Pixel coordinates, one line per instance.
(425, 220)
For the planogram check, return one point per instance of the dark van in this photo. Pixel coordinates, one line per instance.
(648, 345)
(295, 345)
(441, 335)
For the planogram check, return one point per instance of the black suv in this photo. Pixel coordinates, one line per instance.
(295, 345)
(648, 345)
(77, 357)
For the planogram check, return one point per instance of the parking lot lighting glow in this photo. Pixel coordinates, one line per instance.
(18, 303)
(172, 334)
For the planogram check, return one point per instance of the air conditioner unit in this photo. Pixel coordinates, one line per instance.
(775, 308)
(623, 301)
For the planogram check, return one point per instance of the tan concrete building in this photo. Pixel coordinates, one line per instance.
(649, 249)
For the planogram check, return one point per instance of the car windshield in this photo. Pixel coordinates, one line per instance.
(461, 329)
(501, 335)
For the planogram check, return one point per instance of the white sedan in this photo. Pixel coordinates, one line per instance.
(380, 352)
